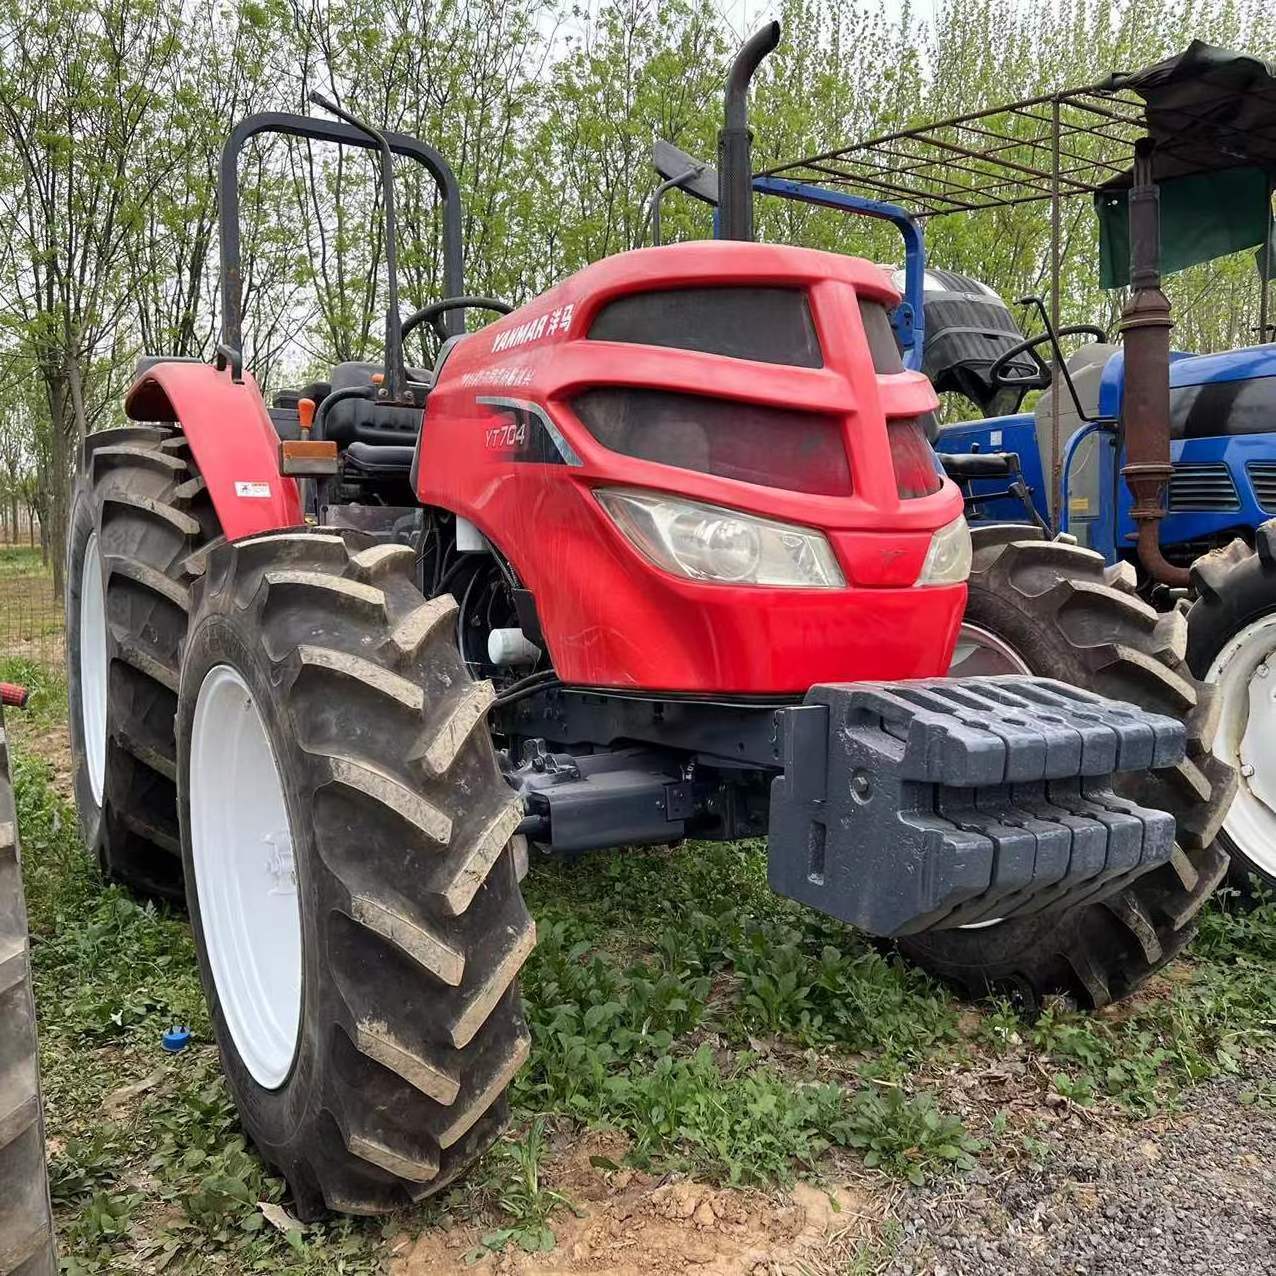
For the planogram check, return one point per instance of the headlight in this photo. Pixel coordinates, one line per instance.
(948, 558)
(707, 542)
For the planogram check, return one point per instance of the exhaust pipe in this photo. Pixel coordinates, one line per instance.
(1145, 332)
(735, 142)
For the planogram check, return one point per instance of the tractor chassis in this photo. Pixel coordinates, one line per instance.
(896, 807)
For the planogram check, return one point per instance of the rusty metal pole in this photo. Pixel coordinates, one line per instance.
(1265, 266)
(1056, 460)
(1145, 333)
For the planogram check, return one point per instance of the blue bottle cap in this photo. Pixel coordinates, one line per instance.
(176, 1039)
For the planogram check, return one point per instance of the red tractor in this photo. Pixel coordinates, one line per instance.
(663, 554)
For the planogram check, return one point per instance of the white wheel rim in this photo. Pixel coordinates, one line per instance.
(245, 876)
(980, 652)
(1245, 671)
(93, 680)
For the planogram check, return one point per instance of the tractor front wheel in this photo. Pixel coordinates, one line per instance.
(1050, 609)
(357, 915)
(1232, 643)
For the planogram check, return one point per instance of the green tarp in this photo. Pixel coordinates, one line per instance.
(1204, 216)
(1212, 114)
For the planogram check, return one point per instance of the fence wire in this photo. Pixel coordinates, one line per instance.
(31, 621)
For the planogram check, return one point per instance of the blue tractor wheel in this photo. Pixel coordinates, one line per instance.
(1232, 643)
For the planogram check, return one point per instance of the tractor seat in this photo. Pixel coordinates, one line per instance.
(379, 460)
(960, 466)
(353, 421)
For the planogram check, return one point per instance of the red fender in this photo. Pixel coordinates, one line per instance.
(231, 438)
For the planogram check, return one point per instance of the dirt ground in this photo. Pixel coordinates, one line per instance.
(1189, 1193)
(628, 1223)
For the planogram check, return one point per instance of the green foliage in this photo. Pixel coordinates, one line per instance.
(907, 1135)
(86, 1164)
(514, 1168)
(47, 687)
(1140, 1057)
(745, 1125)
(546, 110)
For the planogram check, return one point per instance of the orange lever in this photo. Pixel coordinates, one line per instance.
(306, 411)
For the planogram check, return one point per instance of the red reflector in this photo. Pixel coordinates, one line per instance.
(774, 447)
(916, 473)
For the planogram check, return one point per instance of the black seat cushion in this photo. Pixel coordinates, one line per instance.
(359, 421)
(378, 459)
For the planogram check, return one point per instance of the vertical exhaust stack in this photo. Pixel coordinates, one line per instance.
(735, 141)
(1145, 331)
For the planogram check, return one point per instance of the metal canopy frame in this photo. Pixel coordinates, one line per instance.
(1044, 149)
(1058, 145)
(1020, 153)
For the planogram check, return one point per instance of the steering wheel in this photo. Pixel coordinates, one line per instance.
(432, 313)
(1042, 378)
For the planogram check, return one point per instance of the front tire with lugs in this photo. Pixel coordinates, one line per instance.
(1061, 614)
(408, 1028)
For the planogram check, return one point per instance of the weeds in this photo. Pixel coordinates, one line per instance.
(907, 1136)
(524, 1201)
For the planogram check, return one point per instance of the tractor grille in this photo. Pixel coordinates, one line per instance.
(1202, 486)
(1262, 474)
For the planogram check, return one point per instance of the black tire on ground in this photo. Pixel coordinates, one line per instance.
(140, 493)
(413, 927)
(26, 1220)
(1235, 586)
(1067, 618)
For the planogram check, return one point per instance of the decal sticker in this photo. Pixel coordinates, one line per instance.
(257, 491)
(502, 374)
(994, 438)
(524, 432)
(546, 325)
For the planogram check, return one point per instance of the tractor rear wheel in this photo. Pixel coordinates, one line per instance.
(358, 921)
(139, 516)
(1231, 642)
(1051, 609)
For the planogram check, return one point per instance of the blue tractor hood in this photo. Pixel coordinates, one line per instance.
(1189, 372)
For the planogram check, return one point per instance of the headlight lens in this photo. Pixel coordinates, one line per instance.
(948, 558)
(707, 542)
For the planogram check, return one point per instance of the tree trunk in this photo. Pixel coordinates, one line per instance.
(62, 423)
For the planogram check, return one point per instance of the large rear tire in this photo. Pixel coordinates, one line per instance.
(1059, 614)
(26, 1219)
(139, 516)
(376, 1070)
(1231, 642)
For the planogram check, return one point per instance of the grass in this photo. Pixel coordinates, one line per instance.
(672, 998)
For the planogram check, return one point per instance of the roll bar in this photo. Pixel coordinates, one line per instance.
(230, 349)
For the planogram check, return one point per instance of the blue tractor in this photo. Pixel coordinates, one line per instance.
(1114, 462)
